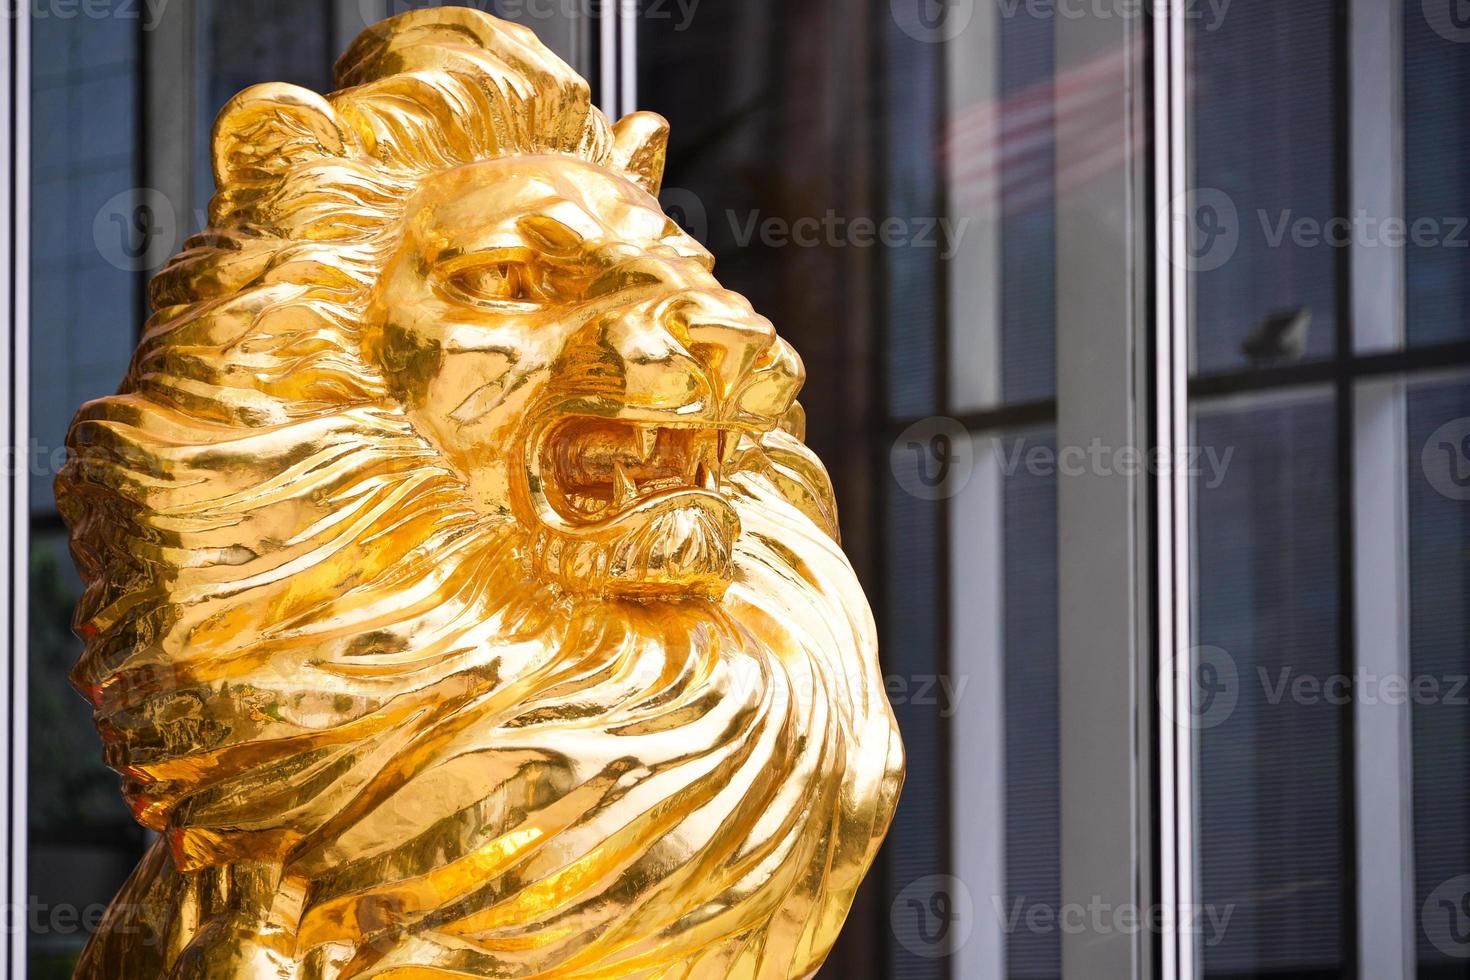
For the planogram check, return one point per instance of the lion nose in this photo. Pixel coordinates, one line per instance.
(724, 334)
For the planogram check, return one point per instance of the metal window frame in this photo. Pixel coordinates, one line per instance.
(974, 519)
(1178, 871)
(1105, 578)
(15, 84)
(1379, 521)
(617, 58)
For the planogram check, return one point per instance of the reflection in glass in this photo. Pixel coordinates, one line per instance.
(1001, 159)
(1029, 88)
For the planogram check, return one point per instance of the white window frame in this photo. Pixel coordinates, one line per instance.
(15, 86)
(1382, 730)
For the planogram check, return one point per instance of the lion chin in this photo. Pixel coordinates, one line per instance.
(461, 599)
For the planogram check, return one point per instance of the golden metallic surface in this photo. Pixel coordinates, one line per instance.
(461, 598)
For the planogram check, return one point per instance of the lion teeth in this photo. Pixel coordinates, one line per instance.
(705, 478)
(729, 444)
(625, 491)
(647, 441)
(701, 457)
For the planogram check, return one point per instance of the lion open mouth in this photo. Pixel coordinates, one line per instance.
(597, 470)
(634, 507)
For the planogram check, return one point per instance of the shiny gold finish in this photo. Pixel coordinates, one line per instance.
(461, 599)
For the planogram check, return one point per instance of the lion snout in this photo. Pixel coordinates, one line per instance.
(723, 334)
(706, 355)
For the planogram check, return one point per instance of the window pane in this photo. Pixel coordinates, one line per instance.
(1028, 206)
(1033, 792)
(1437, 172)
(246, 42)
(1002, 197)
(1439, 598)
(1265, 170)
(83, 841)
(1272, 835)
(1006, 762)
(89, 225)
(91, 232)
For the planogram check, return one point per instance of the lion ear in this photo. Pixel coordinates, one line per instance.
(267, 129)
(640, 148)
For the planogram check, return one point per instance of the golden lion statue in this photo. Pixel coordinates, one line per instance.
(461, 599)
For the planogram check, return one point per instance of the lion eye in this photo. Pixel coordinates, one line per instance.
(498, 282)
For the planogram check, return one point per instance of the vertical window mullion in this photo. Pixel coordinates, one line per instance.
(14, 363)
(977, 562)
(978, 733)
(1178, 872)
(1379, 522)
(1103, 573)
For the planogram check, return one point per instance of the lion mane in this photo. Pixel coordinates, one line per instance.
(371, 741)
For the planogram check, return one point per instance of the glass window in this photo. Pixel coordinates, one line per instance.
(1438, 422)
(1273, 764)
(1029, 94)
(1328, 560)
(90, 233)
(1028, 547)
(1272, 820)
(1436, 175)
(1265, 134)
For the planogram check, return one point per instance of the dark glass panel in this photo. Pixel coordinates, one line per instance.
(1273, 828)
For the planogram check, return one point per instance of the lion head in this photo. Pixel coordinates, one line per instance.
(570, 353)
(451, 539)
